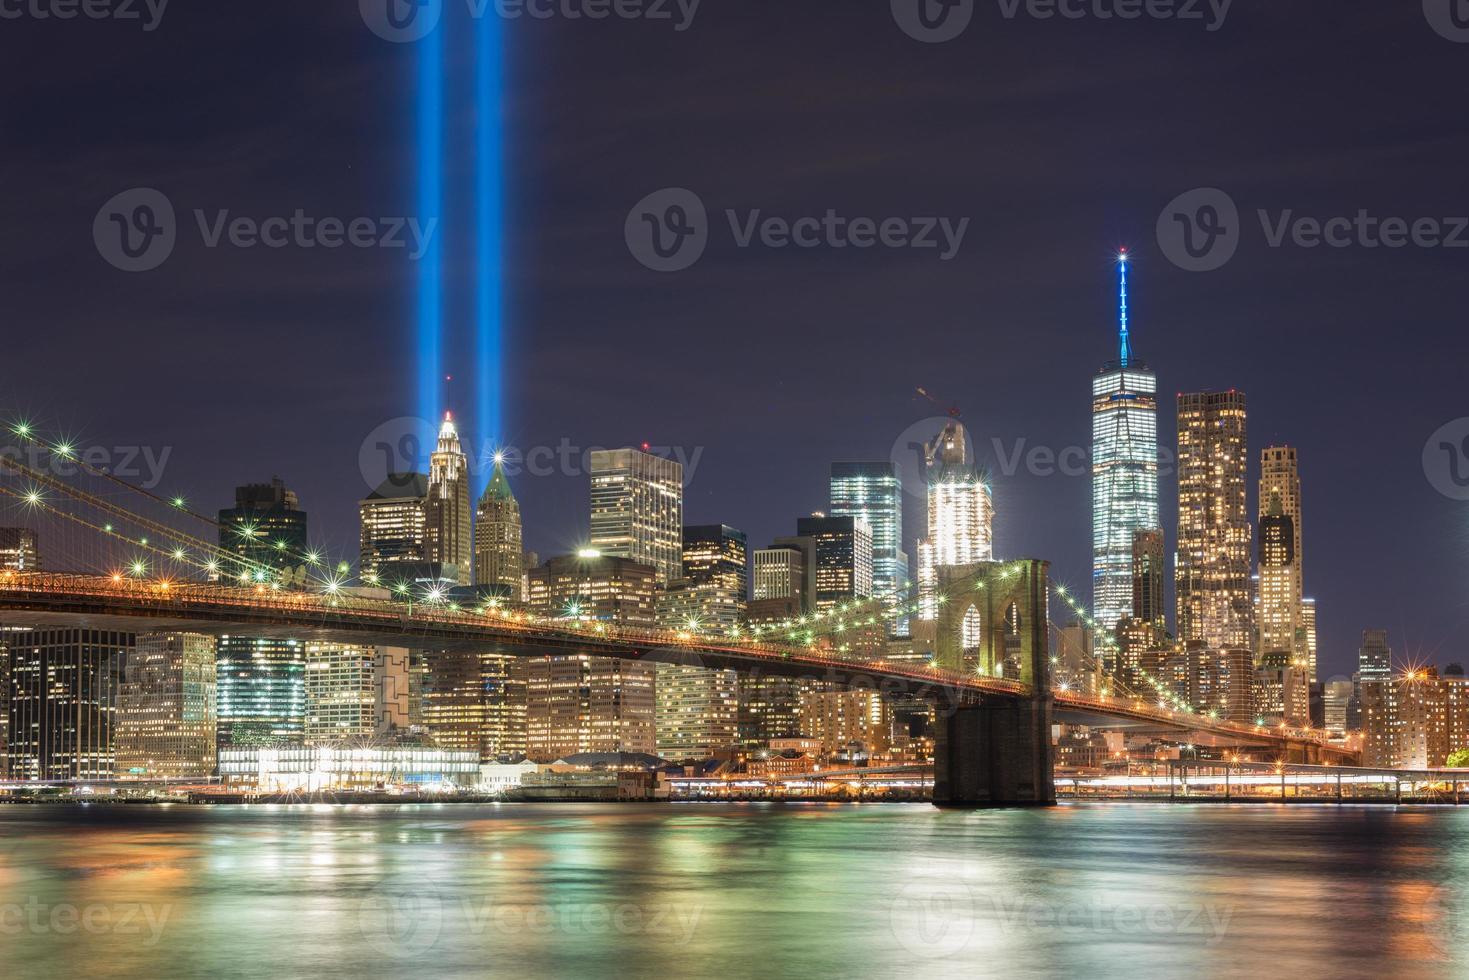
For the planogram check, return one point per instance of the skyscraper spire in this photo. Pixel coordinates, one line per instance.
(1124, 351)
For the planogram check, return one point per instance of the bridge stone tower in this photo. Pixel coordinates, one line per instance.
(996, 750)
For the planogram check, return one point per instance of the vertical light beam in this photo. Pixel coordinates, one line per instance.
(490, 219)
(430, 207)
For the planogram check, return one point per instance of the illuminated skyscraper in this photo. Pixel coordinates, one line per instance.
(63, 702)
(18, 551)
(1124, 467)
(395, 528)
(1281, 629)
(1280, 478)
(260, 693)
(786, 570)
(448, 516)
(1212, 565)
(499, 553)
(354, 692)
(577, 703)
(960, 514)
(637, 509)
(1147, 577)
(717, 554)
(843, 557)
(873, 493)
(475, 700)
(266, 531)
(166, 708)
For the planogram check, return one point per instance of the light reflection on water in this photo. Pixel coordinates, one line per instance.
(733, 890)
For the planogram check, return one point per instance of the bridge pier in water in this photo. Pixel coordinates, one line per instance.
(995, 751)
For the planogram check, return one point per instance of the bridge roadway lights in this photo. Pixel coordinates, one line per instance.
(995, 751)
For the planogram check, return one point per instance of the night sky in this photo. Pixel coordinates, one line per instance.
(1059, 140)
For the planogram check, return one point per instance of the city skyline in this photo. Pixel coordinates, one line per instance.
(1034, 293)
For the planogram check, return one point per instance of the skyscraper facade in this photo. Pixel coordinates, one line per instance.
(395, 529)
(166, 709)
(1281, 628)
(873, 493)
(1212, 565)
(447, 513)
(577, 703)
(1124, 467)
(717, 554)
(475, 700)
(1147, 577)
(64, 685)
(843, 557)
(960, 514)
(260, 697)
(499, 550)
(354, 692)
(786, 571)
(637, 509)
(18, 550)
(266, 532)
(1280, 479)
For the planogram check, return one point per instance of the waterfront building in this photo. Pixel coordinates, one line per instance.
(1212, 567)
(447, 514)
(960, 514)
(872, 493)
(166, 708)
(63, 689)
(637, 509)
(475, 700)
(342, 767)
(1124, 468)
(853, 724)
(1338, 697)
(499, 555)
(1280, 483)
(1236, 685)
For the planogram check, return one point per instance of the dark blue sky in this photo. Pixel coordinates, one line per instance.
(1058, 140)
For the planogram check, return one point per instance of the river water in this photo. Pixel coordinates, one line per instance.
(729, 890)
